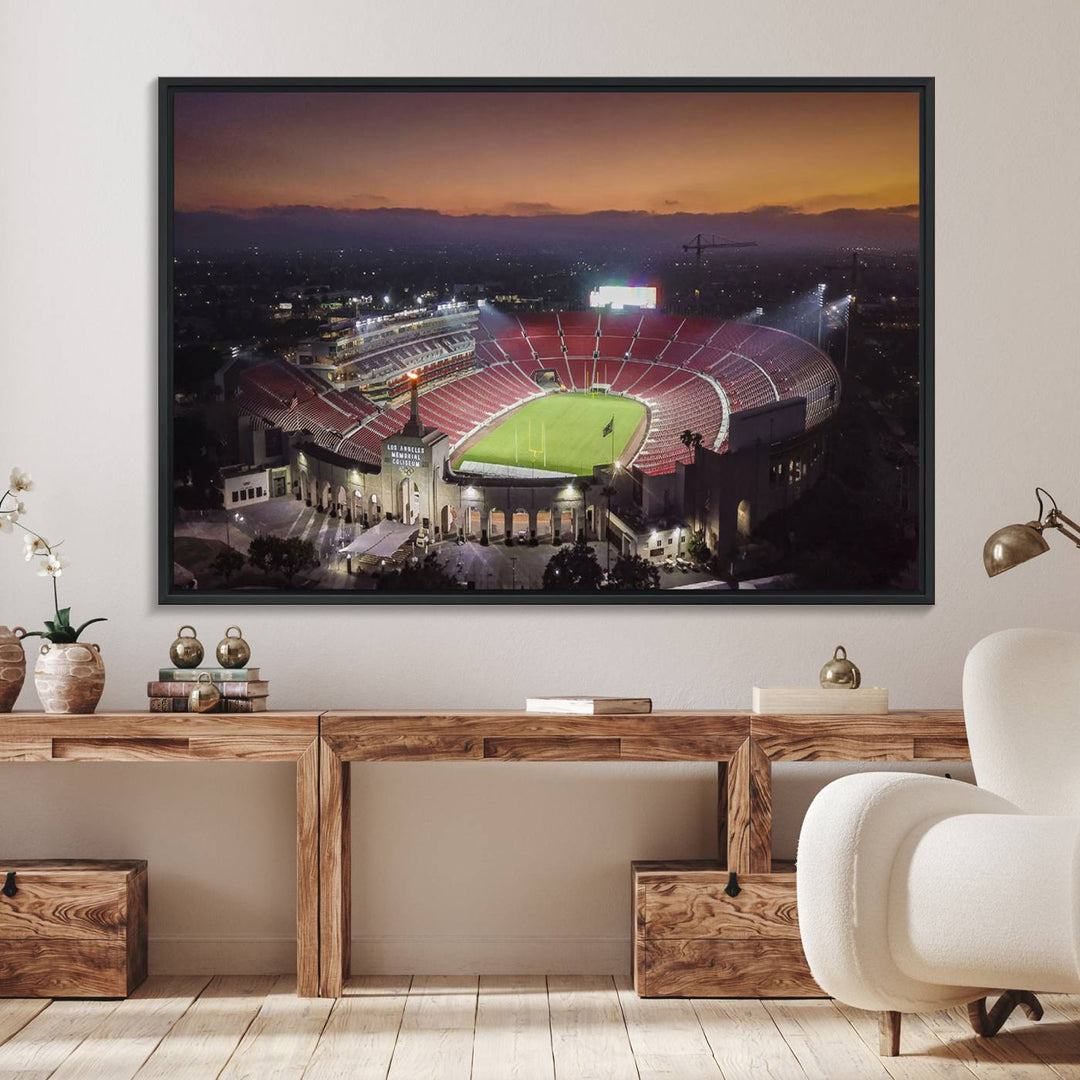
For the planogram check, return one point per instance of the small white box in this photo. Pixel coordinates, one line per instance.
(817, 701)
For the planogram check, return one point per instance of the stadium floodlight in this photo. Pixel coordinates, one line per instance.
(386, 299)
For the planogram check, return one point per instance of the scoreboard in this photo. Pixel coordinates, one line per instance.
(618, 297)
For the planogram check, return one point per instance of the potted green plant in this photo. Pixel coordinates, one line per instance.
(69, 674)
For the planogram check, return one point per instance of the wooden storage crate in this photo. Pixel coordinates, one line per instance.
(72, 928)
(692, 939)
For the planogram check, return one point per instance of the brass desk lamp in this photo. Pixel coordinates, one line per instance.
(1014, 544)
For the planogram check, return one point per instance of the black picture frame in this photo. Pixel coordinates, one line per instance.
(169, 594)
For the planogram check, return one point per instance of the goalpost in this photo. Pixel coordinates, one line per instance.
(533, 450)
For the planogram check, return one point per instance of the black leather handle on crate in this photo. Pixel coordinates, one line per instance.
(9, 884)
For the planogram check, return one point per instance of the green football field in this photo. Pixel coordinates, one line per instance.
(560, 432)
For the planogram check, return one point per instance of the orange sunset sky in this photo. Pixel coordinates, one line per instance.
(525, 153)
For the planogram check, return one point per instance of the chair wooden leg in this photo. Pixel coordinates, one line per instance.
(889, 1033)
(988, 1024)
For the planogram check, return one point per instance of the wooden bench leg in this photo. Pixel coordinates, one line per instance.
(307, 872)
(335, 877)
(889, 1033)
(988, 1024)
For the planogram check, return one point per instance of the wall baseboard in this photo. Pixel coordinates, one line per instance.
(428, 954)
(444, 954)
(221, 956)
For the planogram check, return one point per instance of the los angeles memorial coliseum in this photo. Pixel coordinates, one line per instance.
(467, 422)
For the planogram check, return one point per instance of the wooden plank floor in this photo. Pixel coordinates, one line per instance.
(525, 1027)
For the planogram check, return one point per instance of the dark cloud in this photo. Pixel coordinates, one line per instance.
(530, 209)
(771, 210)
(292, 227)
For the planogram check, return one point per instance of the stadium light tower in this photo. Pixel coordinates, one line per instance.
(854, 270)
(821, 310)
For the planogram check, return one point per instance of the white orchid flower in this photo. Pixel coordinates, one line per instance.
(20, 481)
(53, 566)
(34, 545)
(7, 521)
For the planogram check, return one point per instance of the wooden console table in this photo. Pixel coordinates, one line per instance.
(322, 745)
(904, 735)
(269, 736)
(743, 745)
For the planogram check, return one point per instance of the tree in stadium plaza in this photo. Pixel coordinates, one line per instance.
(227, 561)
(573, 569)
(274, 555)
(633, 572)
(696, 547)
(425, 576)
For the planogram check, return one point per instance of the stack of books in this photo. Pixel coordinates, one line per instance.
(241, 689)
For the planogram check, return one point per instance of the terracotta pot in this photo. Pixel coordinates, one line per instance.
(12, 666)
(69, 678)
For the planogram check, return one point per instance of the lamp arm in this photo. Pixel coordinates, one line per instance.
(1056, 518)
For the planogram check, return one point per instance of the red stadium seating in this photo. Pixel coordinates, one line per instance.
(690, 372)
(656, 324)
(516, 348)
(648, 348)
(545, 346)
(680, 353)
(576, 345)
(620, 322)
(579, 322)
(495, 325)
(697, 330)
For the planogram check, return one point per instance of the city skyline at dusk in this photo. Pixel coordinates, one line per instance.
(535, 153)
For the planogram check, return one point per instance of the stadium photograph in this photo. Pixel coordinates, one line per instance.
(545, 341)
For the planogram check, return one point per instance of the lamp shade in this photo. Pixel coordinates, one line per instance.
(1012, 545)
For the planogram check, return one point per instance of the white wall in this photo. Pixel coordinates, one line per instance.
(508, 866)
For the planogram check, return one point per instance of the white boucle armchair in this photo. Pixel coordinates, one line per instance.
(917, 893)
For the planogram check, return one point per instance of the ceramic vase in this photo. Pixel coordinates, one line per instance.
(12, 666)
(69, 678)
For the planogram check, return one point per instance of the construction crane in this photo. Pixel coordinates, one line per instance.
(701, 243)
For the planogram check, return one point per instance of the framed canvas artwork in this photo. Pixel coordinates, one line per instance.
(546, 340)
